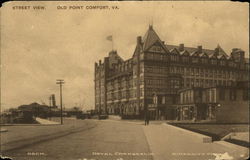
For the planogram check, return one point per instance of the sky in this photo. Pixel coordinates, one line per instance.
(40, 46)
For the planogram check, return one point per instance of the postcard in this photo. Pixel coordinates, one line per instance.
(127, 80)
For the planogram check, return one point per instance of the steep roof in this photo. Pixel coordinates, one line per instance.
(221, 51)
(151, 38)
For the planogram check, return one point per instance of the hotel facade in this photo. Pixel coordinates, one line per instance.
(153, 79)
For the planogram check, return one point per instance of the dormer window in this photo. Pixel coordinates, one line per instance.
(213, 61)
(222, 62)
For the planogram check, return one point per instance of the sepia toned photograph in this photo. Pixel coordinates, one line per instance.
(152, 80)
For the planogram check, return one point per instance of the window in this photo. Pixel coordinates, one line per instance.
(195, 60)
(212, 95)
(185, 59)
(163, 100)
(214, 61)
(204, 60)
(222, 62)
(233, 94)
(197, 83)
(222, 94)
(192, 71)
(192, 82)
(187, 71)
(161, 57)
(187, 82)
(202, 83)
(245, 95)
(141, 92)
(201, 73)
(206, 73)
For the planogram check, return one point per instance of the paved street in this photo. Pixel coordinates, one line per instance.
(112, 140)
(108, 137)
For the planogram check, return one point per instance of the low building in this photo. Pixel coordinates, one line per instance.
(220, 104)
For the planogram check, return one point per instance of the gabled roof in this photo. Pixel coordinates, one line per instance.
(221, 56)
(209, 52)
(221, 51)
(185, 52)
(212, 56)
(174, 51)
(203, 54)
(151, 38)
(194, 53)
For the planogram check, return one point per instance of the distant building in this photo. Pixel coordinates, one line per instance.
(35, 109)
(128, 87)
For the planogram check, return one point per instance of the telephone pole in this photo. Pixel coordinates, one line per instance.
(60, 82)
(50, 99)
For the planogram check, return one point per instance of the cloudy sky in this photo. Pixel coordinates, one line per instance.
(38, 47)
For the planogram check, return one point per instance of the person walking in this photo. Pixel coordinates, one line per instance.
(146, 118)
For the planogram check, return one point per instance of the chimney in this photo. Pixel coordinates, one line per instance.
(238, 55)
(235, 49)
(100, 62)
(181, 47)
(163, 42)
(113, 52)
(139, 40)
(199, 49)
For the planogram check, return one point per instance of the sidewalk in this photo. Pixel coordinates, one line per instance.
(19, 136)
(171, 144)
(45, 121)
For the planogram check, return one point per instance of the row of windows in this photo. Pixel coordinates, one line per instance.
(213, 73)
(123, 67)
(203, 72)
(188, 82)
(233, 94)
(121, 85)
(160, 70)
(209, 96)
(99, 99)
(187, 97)
(187, 59)
(121, 95)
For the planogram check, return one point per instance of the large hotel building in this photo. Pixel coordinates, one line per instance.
(173, 82)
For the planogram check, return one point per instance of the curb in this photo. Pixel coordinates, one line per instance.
(230, 145)
(201, 137)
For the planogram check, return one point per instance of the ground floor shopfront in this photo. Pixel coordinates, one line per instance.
(179, 112)
(194, 112)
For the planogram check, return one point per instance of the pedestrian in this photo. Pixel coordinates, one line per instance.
(146, 118)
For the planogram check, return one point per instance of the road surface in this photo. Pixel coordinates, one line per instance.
(112, 140)
(108, 140)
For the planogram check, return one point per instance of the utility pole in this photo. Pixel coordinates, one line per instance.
(50, 99)
(60, 82)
